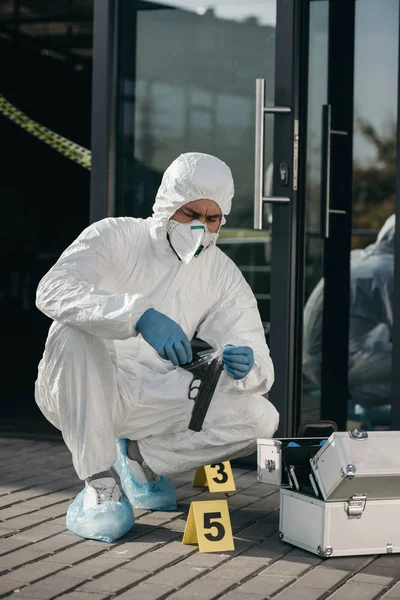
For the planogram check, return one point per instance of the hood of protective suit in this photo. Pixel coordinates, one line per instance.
(193, 176)
(384, 242)
(385, 239)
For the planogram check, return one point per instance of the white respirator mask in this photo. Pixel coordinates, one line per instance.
(189, 239)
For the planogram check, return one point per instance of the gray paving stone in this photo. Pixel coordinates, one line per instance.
(50, 587)
(388, 560)
(7, 585)
(42, 501)
(152, 561)
(393, 593)
(270, 550)
(382, 576)
(246, 479)
(10, 544)
(84, 596)
(144, 591)
(93, 567)
(236, 569)
(301, 592)
(73, 555)
(260, 489)
(293, 564)
(39, 532)
(205, 588)
(201, 560)
(240, 519)
(272, 516)
(20, 557)
(178, 525)
(241, 500)
(185, 492)
(257, 531)
(162, 535)
(177, 548)
(240, 546)
(323, 577)
(238, 595)
(10, 499)
(52, 544)
(6, 531)
(114, 581)
(348, 563)
(355, 591)
(130, 550)
(176, 576)
(29, 573)
(153, 520)
(56, 510)
(59, 520)
(267, 585)
(24, 521)
(15, 511)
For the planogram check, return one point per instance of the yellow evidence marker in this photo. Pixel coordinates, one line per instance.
(218, 477)
(209, 525)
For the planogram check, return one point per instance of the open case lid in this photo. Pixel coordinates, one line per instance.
(357, 462)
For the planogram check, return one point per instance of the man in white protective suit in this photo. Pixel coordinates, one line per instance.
(126, 299)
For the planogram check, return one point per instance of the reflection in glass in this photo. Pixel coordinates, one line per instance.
(374, 184)
(371, 320)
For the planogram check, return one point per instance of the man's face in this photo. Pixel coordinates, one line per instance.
(204, 210)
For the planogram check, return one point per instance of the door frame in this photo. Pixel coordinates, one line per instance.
(103, 123)
(337, 247)
(288, 219)
(288, 222)
(395, 414)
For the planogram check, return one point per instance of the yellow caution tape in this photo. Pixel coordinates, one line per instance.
(82, 156)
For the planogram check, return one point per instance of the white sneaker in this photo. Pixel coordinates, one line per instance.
(99, 491)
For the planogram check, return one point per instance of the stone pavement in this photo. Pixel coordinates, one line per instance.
(40, 559)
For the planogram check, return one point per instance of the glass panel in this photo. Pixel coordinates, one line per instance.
(61, 29)
(187, 83)
(374, 183)
(314, 293)
(44, 195)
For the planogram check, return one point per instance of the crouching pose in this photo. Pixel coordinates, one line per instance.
(126, 299)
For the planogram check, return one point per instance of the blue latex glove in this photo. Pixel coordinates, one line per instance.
(239, 361)
(165, 336)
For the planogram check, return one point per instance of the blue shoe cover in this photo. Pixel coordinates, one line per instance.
(155, 495)
(106, 522)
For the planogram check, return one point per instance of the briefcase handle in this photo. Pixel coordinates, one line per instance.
(319, 428)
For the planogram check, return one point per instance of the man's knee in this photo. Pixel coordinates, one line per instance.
(267, 421)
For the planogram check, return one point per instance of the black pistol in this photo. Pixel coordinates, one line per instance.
(206, 372)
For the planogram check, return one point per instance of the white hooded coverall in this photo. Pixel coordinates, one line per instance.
(98, 379)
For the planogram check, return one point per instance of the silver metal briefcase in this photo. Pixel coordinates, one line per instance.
(340, 498)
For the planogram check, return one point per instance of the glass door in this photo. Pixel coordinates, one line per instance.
(349, 196)
(191, 78)
(187, 78)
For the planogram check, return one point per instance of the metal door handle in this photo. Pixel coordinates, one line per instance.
(261, 111)
(327, 132)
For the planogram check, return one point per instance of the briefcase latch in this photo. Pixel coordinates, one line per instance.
(356, 506)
